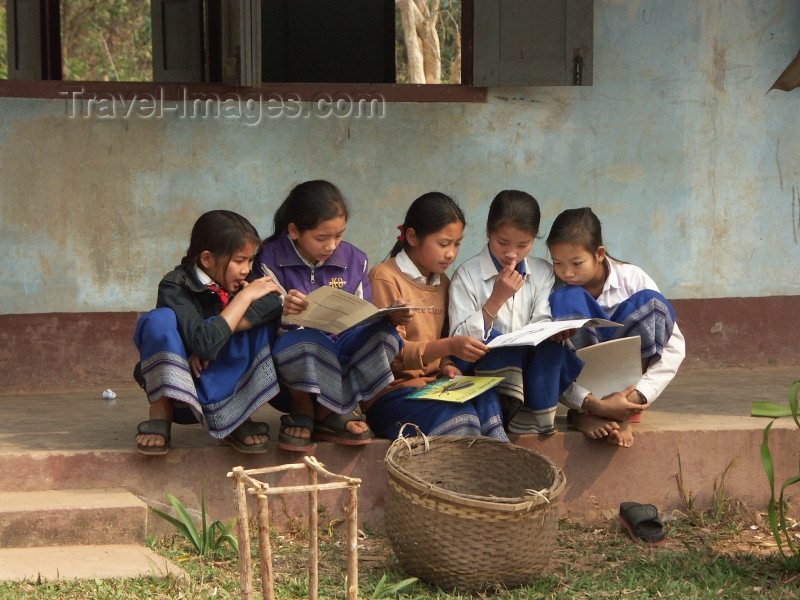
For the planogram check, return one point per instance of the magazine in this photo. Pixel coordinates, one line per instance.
(536, 333)
(459, 389)
(333, 310)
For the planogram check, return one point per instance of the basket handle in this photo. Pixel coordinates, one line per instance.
(401, 437)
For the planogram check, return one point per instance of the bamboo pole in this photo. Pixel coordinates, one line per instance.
(352, 543)
(243, 534)
(246, 484)
(313, 535)
(265, 549)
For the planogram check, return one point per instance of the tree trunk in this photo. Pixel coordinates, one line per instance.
(426, 30)
(408, 15)
(422, 40)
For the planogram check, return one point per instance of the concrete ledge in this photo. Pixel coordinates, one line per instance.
(61, 352)
(55, 517)
(700, 426)
(84, 562)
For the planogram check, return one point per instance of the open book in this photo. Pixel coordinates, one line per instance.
(536, 333)
(459, 389)
(611, 366)
(334, 311)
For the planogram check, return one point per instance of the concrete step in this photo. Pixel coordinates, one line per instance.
(696, 428)
(84, 562)
(68, 517)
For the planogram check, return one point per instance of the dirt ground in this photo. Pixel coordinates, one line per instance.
(591, 548)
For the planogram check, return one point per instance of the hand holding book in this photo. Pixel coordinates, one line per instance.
(334, 311)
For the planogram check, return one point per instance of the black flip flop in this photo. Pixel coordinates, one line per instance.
(291, 443)
(642, 523)
(248, 429)
(160, 427)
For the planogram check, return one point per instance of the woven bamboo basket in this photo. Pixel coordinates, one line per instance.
(470, 513)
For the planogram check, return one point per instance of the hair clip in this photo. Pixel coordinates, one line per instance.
(402, 236)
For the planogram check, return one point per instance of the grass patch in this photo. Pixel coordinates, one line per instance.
(714, 559)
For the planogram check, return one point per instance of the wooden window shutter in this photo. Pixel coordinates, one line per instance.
(34, 39)
(533, 42)
(241, 42)
(177, 40)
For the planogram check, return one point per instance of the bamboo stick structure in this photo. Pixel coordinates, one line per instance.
(246, 484)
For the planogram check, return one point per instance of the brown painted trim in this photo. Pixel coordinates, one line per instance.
(299, 92)
(739, 332)
(56, 352)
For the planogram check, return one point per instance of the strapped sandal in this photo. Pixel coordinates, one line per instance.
(160, 427)
(642, 523)
(290, 442)
(245, 430)
(333, 428)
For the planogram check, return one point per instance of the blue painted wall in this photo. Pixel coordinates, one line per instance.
(693, 168)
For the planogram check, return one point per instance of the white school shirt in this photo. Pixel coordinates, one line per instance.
(623, 281)
(472, 285)
(408, 268)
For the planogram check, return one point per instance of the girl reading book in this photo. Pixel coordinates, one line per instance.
(326, 375)
(428, 244)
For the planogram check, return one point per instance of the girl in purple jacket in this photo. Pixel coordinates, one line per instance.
(326, 375)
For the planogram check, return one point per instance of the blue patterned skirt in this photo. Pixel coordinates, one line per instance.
(340, 371)
(646, 313)
(479, 416)
(234, 385)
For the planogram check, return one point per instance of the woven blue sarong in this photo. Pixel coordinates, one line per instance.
(341, 371)
(479, 416)
(646, 313)
(534, 375)
(234, 385)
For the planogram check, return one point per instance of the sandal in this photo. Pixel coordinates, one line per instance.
(642, 523)
(333, 428)
(245, 430)
(290, 442)
(160, 427)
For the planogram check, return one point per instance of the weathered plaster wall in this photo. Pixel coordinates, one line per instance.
(693, 168)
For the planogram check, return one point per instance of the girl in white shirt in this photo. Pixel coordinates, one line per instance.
(597, 285)
(502, 290)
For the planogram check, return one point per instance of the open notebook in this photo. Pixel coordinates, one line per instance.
(611, 366)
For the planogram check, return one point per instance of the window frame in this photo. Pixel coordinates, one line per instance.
(303, 92)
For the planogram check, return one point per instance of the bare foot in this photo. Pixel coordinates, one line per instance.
(160, 409)
(595, 428)
(623, 437)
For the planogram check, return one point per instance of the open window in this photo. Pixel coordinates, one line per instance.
(321, 43)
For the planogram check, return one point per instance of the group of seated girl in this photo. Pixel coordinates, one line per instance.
(217, 347)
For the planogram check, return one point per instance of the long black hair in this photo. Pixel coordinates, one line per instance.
(307, 205)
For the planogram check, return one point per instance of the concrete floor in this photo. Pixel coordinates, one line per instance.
(699, 426)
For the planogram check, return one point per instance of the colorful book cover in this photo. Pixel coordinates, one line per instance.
(459, 389)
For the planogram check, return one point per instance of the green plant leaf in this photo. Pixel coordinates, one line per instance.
(225, 535)
(190, 528)
(384, 591)
(207, 533)
(206, 540)
(766, 461)
(769, 410)
(793, 400)
(179, 525)
(782, 513)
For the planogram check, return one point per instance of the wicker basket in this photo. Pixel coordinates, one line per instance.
(469, 513)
